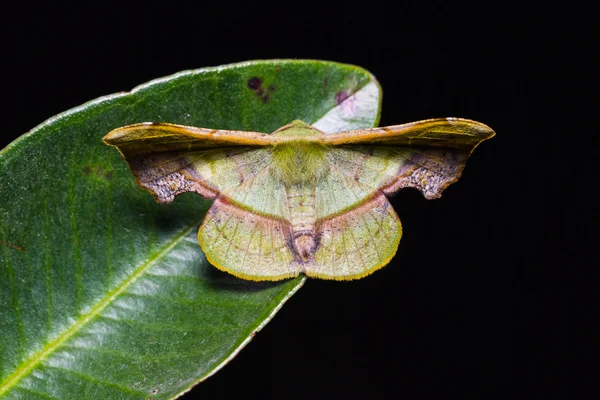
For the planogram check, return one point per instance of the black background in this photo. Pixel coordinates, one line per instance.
(486, 296)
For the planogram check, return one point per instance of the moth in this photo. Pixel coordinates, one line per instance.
(299, 200)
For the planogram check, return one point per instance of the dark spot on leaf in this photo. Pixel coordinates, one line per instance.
(267, 95)
(108, 175)
(254, 83)
(87, 170)
(341, 96)
(154, 391)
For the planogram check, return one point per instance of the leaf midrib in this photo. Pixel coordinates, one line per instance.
(27, 366)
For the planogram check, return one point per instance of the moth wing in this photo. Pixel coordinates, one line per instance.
(427, 155)
(357, 229)
(168, 159)
(150, 136)
(388, 169)
(247, 231)
(438, 132)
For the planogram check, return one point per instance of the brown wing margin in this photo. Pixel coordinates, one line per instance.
(149, 137)
(439, 132)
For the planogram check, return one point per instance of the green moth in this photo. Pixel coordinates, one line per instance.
(298, 200)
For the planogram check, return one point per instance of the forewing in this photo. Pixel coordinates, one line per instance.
(389, 169)
(156, 137)
(169, 159)
(357, 229)
(426, 155)
(439, 132)
(247, 232)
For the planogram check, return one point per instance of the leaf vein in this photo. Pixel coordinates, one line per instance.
(39, 394)
(95, 311)
(97, 381)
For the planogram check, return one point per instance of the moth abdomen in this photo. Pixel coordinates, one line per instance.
(305, 246)
(303, 217)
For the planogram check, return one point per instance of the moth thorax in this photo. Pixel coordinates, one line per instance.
(299, 161)
(304, 245)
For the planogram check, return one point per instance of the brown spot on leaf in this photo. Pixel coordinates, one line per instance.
(13, 246)
(154, 391)
(87, 170)
(255, 84)
(341, 96)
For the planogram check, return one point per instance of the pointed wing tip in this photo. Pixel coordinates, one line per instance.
(114, 137)
(484, 132)
(109, 138)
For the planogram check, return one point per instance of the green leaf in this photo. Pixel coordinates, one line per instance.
(105, 294)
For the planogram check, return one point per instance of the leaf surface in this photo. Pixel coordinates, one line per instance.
(103, 292)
